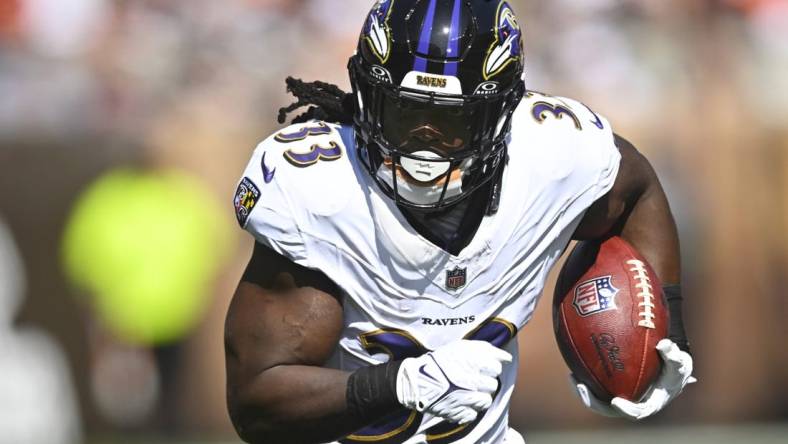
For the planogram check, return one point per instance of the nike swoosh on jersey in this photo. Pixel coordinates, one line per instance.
(268, 174)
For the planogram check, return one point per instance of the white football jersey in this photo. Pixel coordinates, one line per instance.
(307, 196)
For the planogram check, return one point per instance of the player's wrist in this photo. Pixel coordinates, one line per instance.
(372, 391)
(676, 331)
(406, 384)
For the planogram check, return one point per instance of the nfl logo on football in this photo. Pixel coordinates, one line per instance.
(595, 296)
(455, 279)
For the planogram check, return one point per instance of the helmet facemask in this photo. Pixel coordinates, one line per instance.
(436, 83)
(429, 150)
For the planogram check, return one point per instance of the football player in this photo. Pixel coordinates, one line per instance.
(404, 233)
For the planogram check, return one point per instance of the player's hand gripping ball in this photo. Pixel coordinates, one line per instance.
(609, 313)
(610, 320)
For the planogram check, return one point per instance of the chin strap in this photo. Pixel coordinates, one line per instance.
(494, 201)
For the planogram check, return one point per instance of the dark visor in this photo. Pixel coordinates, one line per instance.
(412, 122)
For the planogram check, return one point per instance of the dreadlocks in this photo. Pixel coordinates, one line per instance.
(326, 102)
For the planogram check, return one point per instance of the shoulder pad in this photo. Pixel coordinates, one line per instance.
(313, 166)
(555, 113)
(560, 125)
(299, 171)
(562, 139)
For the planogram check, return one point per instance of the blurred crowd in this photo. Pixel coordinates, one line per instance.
(125, 64)
(91, 86)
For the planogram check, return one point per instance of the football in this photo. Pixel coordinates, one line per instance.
(609, 312)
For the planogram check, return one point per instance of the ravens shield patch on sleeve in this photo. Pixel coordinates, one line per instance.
(246, 197)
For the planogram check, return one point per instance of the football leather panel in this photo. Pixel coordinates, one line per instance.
(609, 313)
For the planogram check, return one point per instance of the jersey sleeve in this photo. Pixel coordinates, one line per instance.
(598, 158)
(566, 149)
(263, 209)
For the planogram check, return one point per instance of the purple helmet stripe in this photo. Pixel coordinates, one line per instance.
(420, 64)
(454, 39)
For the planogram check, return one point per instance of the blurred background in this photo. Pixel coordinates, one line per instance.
(125, 124)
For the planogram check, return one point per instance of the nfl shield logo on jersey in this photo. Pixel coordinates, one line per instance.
(455, 279)
(595, 296)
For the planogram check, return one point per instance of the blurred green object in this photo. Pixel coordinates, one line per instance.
(147, 247)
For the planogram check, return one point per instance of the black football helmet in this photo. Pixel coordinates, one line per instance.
(436, 83)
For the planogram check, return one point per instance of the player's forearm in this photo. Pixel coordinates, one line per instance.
(292, 404)
(637, 210)
(651, 229)
(295, 404)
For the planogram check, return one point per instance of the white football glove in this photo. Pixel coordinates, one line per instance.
(675, 375)
(454, 382)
